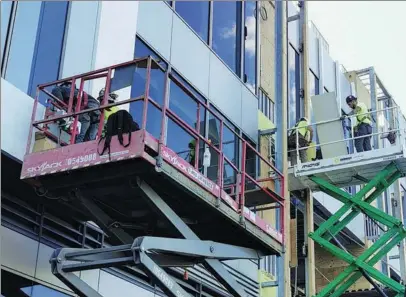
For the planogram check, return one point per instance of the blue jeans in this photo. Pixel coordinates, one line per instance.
(363, 144)
(89, 123)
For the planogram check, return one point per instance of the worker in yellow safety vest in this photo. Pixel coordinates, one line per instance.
(109, 110)
(363, 126)
(302, 140)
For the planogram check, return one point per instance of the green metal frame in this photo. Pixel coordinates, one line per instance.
(354, 205)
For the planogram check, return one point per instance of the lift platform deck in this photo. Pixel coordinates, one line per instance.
(348, 170)
(110, 189)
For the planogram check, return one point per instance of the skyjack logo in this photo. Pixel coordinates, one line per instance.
(44, 166)
(177, 162)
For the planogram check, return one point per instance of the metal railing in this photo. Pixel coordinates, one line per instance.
(72, 109)
(397, 128)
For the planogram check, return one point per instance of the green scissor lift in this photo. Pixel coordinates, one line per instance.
(362, 265)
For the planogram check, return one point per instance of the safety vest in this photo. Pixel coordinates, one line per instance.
(360, 111)
(303, 129)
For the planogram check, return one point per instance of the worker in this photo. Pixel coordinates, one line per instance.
(363, 126)
(89, 122)
(109, 110)
(304, 138)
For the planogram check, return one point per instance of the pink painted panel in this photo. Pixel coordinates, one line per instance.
(188, 170)
(80, 155)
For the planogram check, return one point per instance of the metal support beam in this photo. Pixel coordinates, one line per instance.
(117, 235)
(293, 18)
(398, 207)
(269, 284)
(213, 266)
(281, 105)
(372, 81)
(304, 86)
(148, 253)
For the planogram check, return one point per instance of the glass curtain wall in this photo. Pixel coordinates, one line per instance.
(6, 7)
(22, 44)
(230, 29)
(187, 104)
(294, 86)
(196, 14)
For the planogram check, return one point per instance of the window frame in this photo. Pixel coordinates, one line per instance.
(7, 42)
(240, 50)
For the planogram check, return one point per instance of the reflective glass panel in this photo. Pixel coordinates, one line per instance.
(196, 14)
(227, 32)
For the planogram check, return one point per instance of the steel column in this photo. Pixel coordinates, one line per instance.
(281, 87)
(398, 206)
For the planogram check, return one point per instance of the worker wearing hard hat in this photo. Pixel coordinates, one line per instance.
(302, 140)
(363, 126)
(108, 111)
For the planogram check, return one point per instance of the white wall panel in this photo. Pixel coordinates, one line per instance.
(117, 30)
(15, 129)
(155, 25)
(328, 71)
(249, 113)
(345, 90)
(225, 90)
(91, 277)
(293, 34)
(43, 271)
(18, 252)
(81, 37)
(111, 286)
(115, 38)
(313, 52)
(191, 60)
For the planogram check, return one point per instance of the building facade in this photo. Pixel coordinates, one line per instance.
(212, 47)
(224, 52)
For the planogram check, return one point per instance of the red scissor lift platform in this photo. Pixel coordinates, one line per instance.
(146, 189)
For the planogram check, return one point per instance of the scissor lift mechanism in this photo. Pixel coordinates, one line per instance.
(354, 205)
(151, 254)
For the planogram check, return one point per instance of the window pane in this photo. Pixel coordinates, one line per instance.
(250, 44)
(293, 87)
(48, 51)
(142, 50)
(23, 43)
(42, 291)
(196, 14)
(226, 32)
(183, 105)
(178, 139)
(5, 18)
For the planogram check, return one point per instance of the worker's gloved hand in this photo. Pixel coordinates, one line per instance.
(343, 117)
